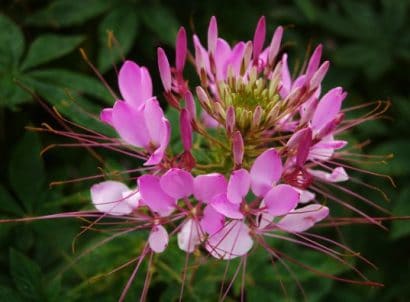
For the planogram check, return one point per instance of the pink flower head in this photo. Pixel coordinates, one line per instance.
(257, 156)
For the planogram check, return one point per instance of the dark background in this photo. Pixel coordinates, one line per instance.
(368, 44)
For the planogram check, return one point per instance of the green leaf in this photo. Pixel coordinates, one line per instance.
(11, 44)
(26, 276)
(26, 170)
(9, 295)
(401, 228)
(49, 47)
(69, 103)
(162, 22)
(53, 290)
(11, 94)
(64, 13)
(7, 202)
(78, 82)
(11, 49)
(123, 24)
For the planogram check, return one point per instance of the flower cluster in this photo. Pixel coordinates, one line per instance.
(251, 156)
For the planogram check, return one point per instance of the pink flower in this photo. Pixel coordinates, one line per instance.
(139, 120)
(114, 198)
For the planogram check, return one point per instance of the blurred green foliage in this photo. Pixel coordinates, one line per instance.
(368, 43)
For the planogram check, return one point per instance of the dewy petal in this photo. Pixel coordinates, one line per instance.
(153, 195)
(134, 83)
(177, 183)
(328, 108)
(265, 172)
(212, 221)
(181, 50)
(165, 135)
(338, 175)
(189, 236)
(281, 199)
(222, 205)
(238, 185)
(164, 69)
(153, 116)
(231, 242)
(303, 218)
(158, 239)
(130, 125)
(108, 197)
(208, 185)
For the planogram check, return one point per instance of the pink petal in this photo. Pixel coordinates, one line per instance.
(158, 239)
(181, 50)
(212, 34)
(108, 197)
(222, 54)
(304, 146)
(212, 221)
(286, 80)
(201, 56)
(238, 186)
(222, 205)
(190, 104)
(231, 242)
(106, 116)
(275, 44)
(164, 69)
(208, 185)
(186, 129)
(314, 61)
(145, 84)
(165, 136)
(238, 148)
(177, 183)
(189, 237)
(265, 218)
(328, 108)
(265, 172)
(153, 116)
(208, 120)
(134, 83)
(153, 195)
(129, 124)
(281, 199)
(305, 195)
(319, 75)
(303, 218)
(236, 58)
(259, 37)
(338, 175)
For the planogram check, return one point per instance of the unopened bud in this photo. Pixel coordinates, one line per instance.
(238, 148)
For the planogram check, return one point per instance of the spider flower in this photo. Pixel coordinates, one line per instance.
(258, 160)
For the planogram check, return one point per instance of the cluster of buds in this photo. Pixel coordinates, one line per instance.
(258, 149)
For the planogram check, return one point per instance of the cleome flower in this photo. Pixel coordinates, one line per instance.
(259, 159)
